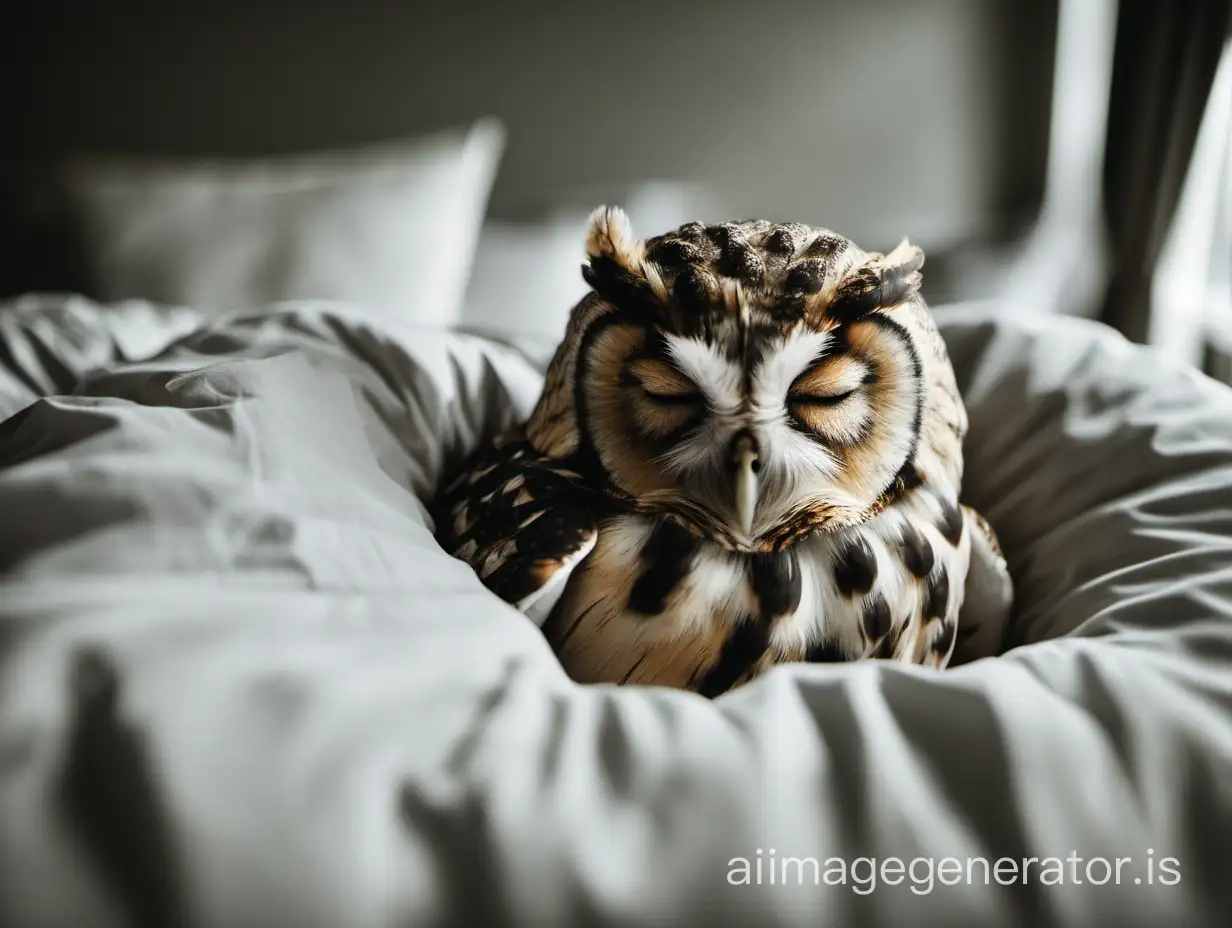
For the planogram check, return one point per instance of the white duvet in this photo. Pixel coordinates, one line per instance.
(241, 685)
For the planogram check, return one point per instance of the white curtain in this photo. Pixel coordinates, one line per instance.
(1191, 292)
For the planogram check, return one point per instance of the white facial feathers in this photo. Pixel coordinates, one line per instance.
(784, 362)
(719, 378)
(789, 459)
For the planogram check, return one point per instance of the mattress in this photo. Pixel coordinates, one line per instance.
(240, 684)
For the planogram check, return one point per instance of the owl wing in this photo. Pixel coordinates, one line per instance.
(983, 620)
(522, 521)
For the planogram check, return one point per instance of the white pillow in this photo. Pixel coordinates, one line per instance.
(391, 227)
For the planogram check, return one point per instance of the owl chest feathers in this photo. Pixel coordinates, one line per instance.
(653, 603)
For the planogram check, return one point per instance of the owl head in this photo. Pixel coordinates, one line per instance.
(754, 381)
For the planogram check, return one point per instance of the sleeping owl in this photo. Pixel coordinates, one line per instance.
(747, 452)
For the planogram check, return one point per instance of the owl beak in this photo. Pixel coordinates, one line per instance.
(745, 458)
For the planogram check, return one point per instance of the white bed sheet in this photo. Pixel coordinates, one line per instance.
(241, 685)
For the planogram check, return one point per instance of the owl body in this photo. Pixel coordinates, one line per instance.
(748, 452)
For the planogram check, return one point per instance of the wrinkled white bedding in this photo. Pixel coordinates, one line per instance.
(241, 685)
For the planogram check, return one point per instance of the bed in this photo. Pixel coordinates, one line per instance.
(240, 684)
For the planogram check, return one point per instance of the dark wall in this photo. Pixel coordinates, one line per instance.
(875, 117)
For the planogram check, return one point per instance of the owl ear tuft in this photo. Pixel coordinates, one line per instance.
(900, 273)
(610, 235)
(615, 268)
(883, 281)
